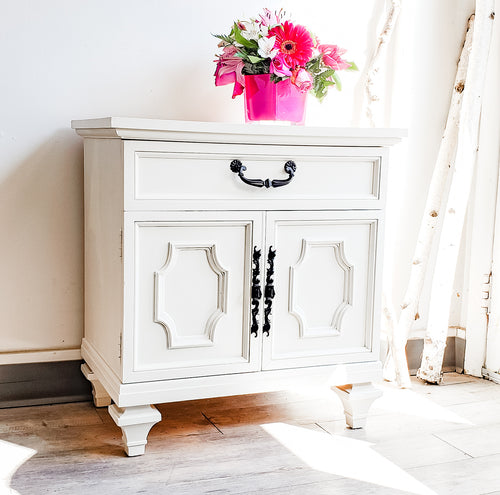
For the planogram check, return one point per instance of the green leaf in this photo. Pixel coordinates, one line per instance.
(313, 66)
(242, 55)
(254, 59)
(241, 39)
(225, 38)
(276, 79)
(327, 73)
(336, 79)
(353, 67)
(261, 67)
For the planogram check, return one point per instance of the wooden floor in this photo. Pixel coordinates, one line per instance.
(428, 440)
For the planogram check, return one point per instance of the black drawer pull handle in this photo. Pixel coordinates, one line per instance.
(290, 168)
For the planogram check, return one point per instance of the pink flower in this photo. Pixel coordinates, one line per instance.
(303, 80)
(279, 66)
(294, 42)
(228, 70)
(271, 19)
(331, 57)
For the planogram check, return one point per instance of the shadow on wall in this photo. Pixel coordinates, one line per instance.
(41, 218)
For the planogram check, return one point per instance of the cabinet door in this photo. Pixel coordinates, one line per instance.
(187, 296)
(325, 308)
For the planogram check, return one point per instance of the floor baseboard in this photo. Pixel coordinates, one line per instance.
(453, 355)
(29, 384)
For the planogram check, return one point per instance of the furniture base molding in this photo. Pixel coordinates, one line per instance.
(135, 423)
(126, 394)
(357, 399)
(100, 396)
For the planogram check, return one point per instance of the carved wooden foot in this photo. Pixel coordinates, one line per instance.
(357, 399)
(135, 422)
(101, 397)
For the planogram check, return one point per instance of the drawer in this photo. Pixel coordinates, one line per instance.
(192, 176)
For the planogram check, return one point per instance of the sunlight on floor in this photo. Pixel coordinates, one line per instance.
(394, 400)
(12, 457)
(404, 401)
(344, 457)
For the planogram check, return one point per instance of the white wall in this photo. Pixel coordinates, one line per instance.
(68, 59)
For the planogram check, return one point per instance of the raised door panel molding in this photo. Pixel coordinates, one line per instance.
(187, 294)
(183, 273)
(324, 310)
(320, 260)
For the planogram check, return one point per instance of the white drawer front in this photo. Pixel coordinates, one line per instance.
(194, 175)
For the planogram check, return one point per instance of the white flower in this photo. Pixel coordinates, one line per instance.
(266, 47)
(251, 31)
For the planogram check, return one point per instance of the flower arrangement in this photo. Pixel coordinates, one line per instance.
(273, 45)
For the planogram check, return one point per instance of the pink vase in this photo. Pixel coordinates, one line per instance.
(266, 100)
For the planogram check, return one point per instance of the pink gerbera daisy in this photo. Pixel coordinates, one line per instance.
(294, 42)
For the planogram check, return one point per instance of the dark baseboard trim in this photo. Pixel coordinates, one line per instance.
(34, 384)
(454, 355)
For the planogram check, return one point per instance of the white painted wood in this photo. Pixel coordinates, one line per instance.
(175, 176)
(491, 375)
(216, 132)
(103, 222)
(162, 391)
(99, 394)
(484, 233)
(189, 295)
(492, 350)
(40, 356)
(174, 291)
(305, 306)
(135, 422)
(178, 280)
(342, 275)
(357, 399)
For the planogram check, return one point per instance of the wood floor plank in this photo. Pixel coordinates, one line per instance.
(290, 443)
(305, 411)
(393, 426)
(212, 463)
(477, 442)
(419, 450)
(474, 476)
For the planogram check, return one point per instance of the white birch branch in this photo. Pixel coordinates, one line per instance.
(372, 104)
(374, 65)
(444, 273)
(396, 366)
